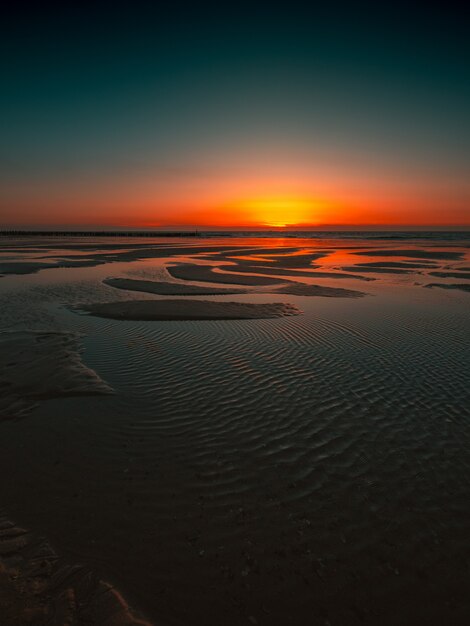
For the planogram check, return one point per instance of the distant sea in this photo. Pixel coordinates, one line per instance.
(384, 235)
(435, 235)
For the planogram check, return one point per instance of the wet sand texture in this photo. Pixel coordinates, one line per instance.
(167, 310)
(459, 286)
(37, 366)
(39, 588)
(319, 290)
(28, 267)
(244, 268)
(167, 289)
(377, 270)
(413, 254)
(399, 264)
(456, 274)
(104, 254)
(205, 273)
(284, 260)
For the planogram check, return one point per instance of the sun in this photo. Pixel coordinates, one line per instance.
(280, 212)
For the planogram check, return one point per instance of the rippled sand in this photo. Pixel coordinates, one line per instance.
(188, 310)
(301, 469)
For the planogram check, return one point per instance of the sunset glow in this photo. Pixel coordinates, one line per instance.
(278, 212)
(268, 122)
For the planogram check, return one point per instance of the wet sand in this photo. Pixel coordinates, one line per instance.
(459, 286)
(292, 273)
(23, 267)
(415, 254)
(399, 264)
(318, 290)
(37, 587)
(37, 366)
(457, 274)
(270, 470)
(177, 289)
(382, 269)
(167, 289)
(171, 310)
(206, 273)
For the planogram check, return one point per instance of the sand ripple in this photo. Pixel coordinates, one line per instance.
(309, 469)
(188, 310)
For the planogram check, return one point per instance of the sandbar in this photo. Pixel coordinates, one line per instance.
(377, 270)
(459, 286)
(399, 264)
(38, 366)
(456, 274)
(205, 273)
(168, 310)
(168, 289)
(301, 289)
(313, 273)
(413, 254)
(28, 267)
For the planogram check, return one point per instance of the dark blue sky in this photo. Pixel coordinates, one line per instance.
(118, 110)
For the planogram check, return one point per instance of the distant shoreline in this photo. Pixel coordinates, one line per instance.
(90, 233)
(451, 235)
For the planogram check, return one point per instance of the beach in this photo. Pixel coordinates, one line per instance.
(235, 429)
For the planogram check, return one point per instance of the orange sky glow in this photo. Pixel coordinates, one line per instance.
(248, 203)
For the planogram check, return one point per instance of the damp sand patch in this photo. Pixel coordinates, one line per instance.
(292, 273)
(206, 273)
(23, 267)
(458, 286)
(37, 366)
(378, 270)
(168, 289)
(32, 267)
(175, 310)
(319, 290)
(398, 264)
(413, 254)
(243, 275)
(456, 274)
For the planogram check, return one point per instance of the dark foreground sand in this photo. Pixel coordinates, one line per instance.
(310, 470)
(36, 366)
(39, 588)
(188, 310)
(168, 289)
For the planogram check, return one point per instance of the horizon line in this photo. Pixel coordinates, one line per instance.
(209, 228)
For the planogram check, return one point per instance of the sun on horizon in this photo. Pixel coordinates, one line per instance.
(278, 211)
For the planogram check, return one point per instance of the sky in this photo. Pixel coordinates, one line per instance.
(238, 116)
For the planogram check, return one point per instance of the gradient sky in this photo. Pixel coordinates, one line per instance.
(234, 116)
